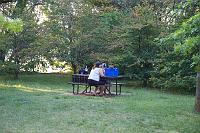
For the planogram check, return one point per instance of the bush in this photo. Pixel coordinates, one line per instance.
(9, 68)
(175, 83)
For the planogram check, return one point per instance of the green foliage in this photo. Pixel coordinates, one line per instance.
(140, 51)
(111, 19)
(123, 32)
(187, 38)
(179, 58)
(99, 3)
(10, 25)
(177, 83)
(9, 68)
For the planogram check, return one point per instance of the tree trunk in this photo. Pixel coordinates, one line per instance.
(2, 56)
(123, 70)
(197, 99)
(74, 67)
(16, 74)
(145, 82)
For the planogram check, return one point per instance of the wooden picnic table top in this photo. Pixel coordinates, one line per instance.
(107, 77)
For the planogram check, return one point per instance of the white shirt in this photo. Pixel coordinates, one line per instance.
(95, 74)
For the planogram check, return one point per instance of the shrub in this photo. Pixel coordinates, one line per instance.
(175, 83)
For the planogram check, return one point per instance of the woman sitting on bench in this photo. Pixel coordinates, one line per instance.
(94, 78)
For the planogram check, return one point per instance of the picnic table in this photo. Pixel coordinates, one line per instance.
(82, 80)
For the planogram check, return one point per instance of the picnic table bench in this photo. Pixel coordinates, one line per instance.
(82, 80)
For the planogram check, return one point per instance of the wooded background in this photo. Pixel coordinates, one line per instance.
(154, 41)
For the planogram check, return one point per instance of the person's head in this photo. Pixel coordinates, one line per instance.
(104, 65)
(111, 65)
(97, 64)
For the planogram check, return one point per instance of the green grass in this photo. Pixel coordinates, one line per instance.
(42, 103)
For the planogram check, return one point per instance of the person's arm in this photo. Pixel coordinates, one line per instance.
(101, 72)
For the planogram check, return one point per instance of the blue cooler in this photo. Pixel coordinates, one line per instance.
(112, 72)
(108, 72)
(116, 72)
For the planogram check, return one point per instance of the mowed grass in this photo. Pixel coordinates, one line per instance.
(43, 103)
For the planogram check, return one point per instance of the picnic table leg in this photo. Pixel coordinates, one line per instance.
(108, 89)
(73, 88)
(77, 89)
(108, 85)
(120, 89)
(90, 89)
(116, 86)
(86, 89)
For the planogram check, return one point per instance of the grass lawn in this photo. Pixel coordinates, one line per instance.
(39, 104)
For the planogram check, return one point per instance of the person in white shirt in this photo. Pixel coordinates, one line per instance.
(94, 78)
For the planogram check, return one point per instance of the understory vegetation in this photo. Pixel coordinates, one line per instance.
(156, 42)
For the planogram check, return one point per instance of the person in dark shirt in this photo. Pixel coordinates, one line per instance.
(83, 70)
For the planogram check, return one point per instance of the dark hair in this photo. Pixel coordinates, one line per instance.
(97, 64)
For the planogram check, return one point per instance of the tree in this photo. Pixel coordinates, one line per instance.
(187, 39)
(173, 71)
(19, 46)
(62, 17)
(140, 49)
(7, 26)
